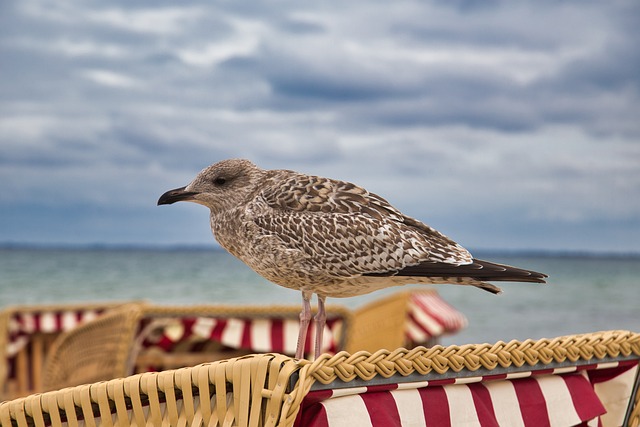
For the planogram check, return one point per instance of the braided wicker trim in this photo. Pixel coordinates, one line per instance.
(366, 366)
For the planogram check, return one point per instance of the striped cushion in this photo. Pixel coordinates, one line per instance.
(538, 398)
(262, 335)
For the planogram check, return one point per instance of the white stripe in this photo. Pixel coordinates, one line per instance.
(340, 392)
(327, 339)
(424, 319)
(174, 331)
(16, 345)
(607, 365)
(28, 322)
(232, 333)
(615, 395)
(505, 403)
(437, 307)
(261, 335)
(48, 322)
(467, 380)
(558, 371)
(348, 411)
(409, 404)
(415, 333)
(69, 320)
(516, 375)
(559, 403)
(203, 327)
(290, 330)
(88, 316)
(14, 326)
(407, 386)
(462, 410)
(451, 318)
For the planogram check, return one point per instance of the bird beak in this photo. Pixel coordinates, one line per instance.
(176, 195)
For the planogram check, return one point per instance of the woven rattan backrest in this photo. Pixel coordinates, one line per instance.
(247, 391)
(96, 351)
(379, 324)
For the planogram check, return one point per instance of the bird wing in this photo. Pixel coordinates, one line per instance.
(345, 225)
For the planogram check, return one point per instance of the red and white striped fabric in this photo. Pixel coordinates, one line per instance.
(430, 316)
(24, 324)
(596, 395)
(262, 335)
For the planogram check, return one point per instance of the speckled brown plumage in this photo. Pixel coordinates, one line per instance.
(329, 237)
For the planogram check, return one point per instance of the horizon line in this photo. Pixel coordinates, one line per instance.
(214, 247)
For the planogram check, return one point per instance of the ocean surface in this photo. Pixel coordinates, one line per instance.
(584, 294)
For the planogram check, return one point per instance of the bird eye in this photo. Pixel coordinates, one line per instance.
(219, 181)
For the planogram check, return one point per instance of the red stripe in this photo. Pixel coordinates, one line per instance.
(216, 333)
(430, 311)
(313, 416)
(382, 409)
(586, 367)
(316, 396)
(381, 387)
(164, 343)
(277, 335)
(532, 402)
(58, 317)
(586, 402)
(421, 327)
(439, 309)
(188, 324)
(36, 322)
(246, 334)
(435, 406)
(484, 406)
(604, 375)
(494, 377)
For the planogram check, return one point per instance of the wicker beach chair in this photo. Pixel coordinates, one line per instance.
(189, 335)
(26, 336)
(197, 334)
(589, 379)
(98, 350)
(407, 318)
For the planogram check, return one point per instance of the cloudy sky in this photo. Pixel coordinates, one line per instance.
(510, 125)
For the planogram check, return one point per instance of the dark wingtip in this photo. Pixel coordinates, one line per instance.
(480, 270)
(506, 273)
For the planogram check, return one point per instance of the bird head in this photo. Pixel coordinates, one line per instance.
(219, 187)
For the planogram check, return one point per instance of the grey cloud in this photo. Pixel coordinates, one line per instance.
(524, 113)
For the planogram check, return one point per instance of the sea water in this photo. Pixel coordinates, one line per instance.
(585, 293)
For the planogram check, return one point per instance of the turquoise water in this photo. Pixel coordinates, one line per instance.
(585, 293)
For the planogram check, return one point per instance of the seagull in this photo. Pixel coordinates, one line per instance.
(328, 237)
